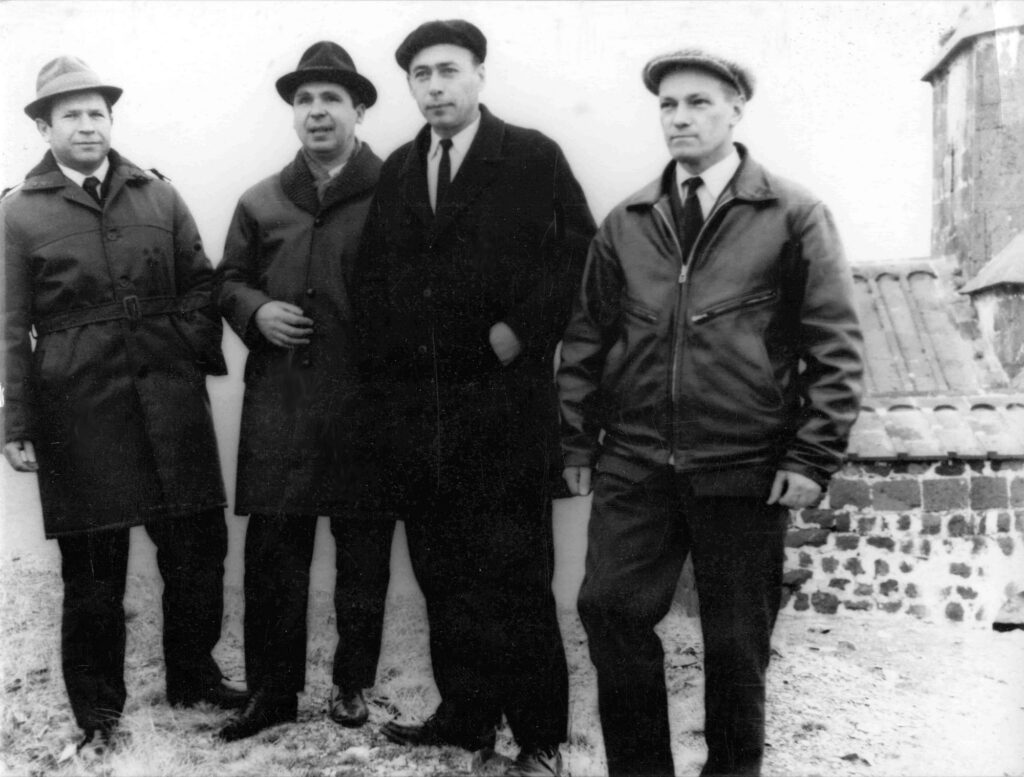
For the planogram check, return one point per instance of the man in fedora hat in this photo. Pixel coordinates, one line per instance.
(710, 375)
(473, 246)
(105, 263)
(284, 289)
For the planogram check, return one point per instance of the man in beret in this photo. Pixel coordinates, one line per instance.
(104, 262)
(473, 246)
(284, 289)
(714, 342)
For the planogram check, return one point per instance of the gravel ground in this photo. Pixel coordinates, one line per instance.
(849, 694)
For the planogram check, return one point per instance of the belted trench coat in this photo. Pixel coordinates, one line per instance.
(113, 396)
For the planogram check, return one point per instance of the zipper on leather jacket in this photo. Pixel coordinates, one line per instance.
(729, 307)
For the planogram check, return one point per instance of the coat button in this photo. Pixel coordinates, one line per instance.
(428, 293)
(310, 292)
(123, 282)
(422, 349)
(318, 222)
(113, 233)
(307, 362)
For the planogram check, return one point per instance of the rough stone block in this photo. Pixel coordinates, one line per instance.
(958, 526)
(1003, 523)
(857, 605)
(849, 493)
(982, 525)
(976, 466)
(988, 493)
(912, 591)
(801, 602)
(847, 541)
(906, 566)
(826, 519)
(806, 560)
(893, 606)
(1005, 543)
(926, 548)
(960, 570)
(865, 525)
(1018, 520)
(978, 544)
(897, 495)
(853, 566)
(843, 522)
(838, 582)
(931, 523)
(907, 547)
(950, 468)
(887, 543)
(955, 611)
(918, 610)
(798, 538)
(784, 597)
(888, 587)
(903, 524)
(941, 494)
(794, 578)
(966, 592)
(880, 468)
(1017, 492)
(881, 568)
(824, 603)
(864, 589)
(829, 564)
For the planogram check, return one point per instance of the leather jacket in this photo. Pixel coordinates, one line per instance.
(748, 354)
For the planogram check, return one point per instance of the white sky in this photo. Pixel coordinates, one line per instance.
(839, 106)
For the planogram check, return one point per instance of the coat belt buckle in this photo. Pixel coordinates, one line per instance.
(132, 311)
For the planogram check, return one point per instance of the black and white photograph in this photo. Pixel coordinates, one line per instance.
(560, 388)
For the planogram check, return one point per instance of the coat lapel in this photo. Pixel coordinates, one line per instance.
(476, 172)
(414, 178)
(299, 185)
(358, 177)
(47, 175)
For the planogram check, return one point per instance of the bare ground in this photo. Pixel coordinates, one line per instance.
(848, 695)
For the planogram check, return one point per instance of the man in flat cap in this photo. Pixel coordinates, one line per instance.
(284, 289)
(105, 263)
(474, 243)
(714, 342)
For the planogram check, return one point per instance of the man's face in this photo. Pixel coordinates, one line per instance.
(446, 82)
(325, 120)
(78, 131)
(698, 112)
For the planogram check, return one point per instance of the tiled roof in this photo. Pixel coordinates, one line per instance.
(928, 392)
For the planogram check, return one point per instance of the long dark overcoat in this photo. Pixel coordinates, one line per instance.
(114, 394)
(507, 245)
(284, 244)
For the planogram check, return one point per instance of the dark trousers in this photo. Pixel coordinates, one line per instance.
(639, 537)
(278, 553)
(483, 555)
(190, 557)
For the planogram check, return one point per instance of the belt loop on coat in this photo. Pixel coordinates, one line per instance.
(132, 311)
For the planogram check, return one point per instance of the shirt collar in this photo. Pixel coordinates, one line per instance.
(460, 141)
(321, 172)
(716, 177)
(79, 178)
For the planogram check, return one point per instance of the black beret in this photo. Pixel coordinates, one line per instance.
(731, 72)
(457, 32)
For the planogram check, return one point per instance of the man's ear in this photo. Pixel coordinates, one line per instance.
(44, 129)
(739, 105)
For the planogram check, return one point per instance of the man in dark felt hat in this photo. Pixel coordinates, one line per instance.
(473, 246)
(714, 341)
(284, 289)
(105, 262)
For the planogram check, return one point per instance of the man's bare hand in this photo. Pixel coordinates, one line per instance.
(21, 455)
(504, 343)
(577, 479)
(793, 490)
(283, 324)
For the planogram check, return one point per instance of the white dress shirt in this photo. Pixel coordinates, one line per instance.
(456, 154)
(715, 179)
(79, 178)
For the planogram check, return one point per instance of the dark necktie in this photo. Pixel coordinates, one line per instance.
(444, 173)
(92, 188)
(693, 216)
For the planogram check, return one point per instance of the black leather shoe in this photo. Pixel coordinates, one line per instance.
(348, 708)
(437, 733)
(219, 695)
(537, 762)
(263, 710)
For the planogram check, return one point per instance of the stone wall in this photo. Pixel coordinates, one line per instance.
(938, 540)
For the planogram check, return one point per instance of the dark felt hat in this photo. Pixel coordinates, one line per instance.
(65, 75)
(734, 74)
(327, 61)
(457, 32)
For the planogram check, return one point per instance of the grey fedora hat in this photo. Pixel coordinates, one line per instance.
(327, 61)
(65, 75)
